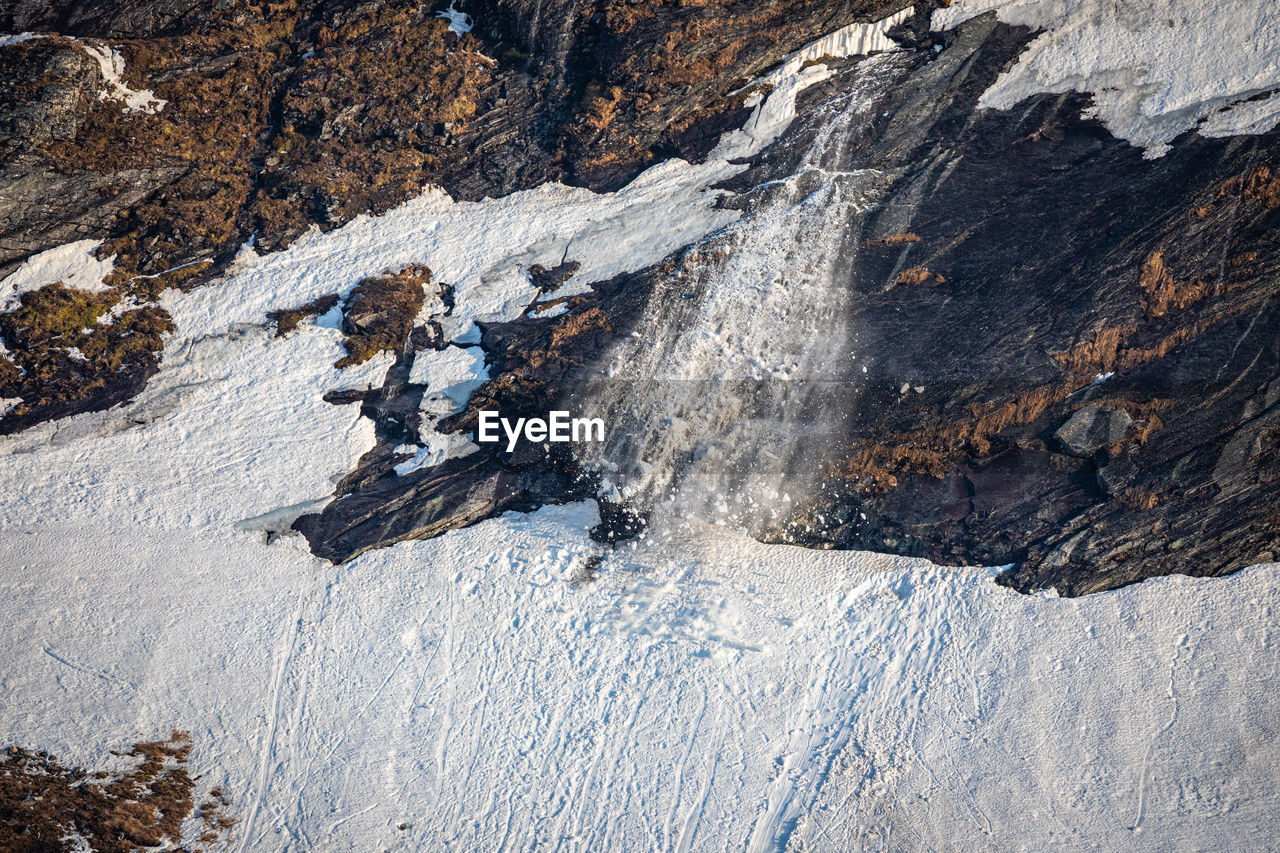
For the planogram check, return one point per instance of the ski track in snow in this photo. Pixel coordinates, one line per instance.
(704, 692)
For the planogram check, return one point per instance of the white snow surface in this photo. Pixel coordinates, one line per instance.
(73, 264)
(436, 448)
(1155, 68)
(774, 113)
(112, 65)
(484, 248)
(459, 22)
(7, 39)
(486, 690)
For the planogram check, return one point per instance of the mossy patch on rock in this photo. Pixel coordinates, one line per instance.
(288, 319)
(378, 315)
(46, 806)
(68, 356)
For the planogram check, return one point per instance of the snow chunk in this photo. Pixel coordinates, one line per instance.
(774, 113)
(453, 372)
(73, 264)
(1248, 117)
(18, 38)
(436, 448)
(1155, 68)
(547, 313)
(112, 65)
(459, 22)
(367, 375)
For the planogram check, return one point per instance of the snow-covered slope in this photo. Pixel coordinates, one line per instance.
(514, 686)
(1155, 68)
(483, 692)
(702, 693)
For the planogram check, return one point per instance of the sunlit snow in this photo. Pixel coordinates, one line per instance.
(515, 685)
(1155, 68)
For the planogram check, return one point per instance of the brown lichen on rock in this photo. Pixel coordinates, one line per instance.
(1138, 498)
(901, 239)
(279, 115)
(45, 806)
(654, 66)
(876, 464)
(69, 356)
(1163, 292)
(367, 117)
(378, 315)
(287, 320)
(217, 80)
(919, 275)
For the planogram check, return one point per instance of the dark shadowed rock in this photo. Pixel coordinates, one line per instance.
(1009, 259)
(1092, 428)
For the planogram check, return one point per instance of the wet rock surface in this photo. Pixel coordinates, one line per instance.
(1091, 379)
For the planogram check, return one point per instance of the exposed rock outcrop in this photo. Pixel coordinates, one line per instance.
(1090, 369)
(291, 114)
(1070, 349)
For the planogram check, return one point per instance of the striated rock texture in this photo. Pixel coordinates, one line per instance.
(285, 115)
(1062, 257)
(1092, 333)
(1093, 343)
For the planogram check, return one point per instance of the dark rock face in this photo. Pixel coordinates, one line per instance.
(1093, 428)
(309, 112)
(378, 314)
(1092, 334)
(1059, 256)
(106, 18)
(1082, 261)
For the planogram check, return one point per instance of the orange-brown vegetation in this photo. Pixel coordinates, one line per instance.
(45, 806)
(1258, 184)
(288, 319)
(367, 118)
(65, 348)
(1162, 292)
(919, 275)
(1137, 498)
(894, 240)
(876, 464)
(378, 314)
(361, 120)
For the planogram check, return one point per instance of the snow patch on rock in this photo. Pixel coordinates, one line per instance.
(7, 39)
(74, 264)
(459, 22)
(1155, 68)
(111, 64)
(799, 70)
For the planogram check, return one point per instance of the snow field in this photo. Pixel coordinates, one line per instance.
(1155, 68)
(491, 689)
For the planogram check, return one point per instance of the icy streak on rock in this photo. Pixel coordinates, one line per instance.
(725, 405)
